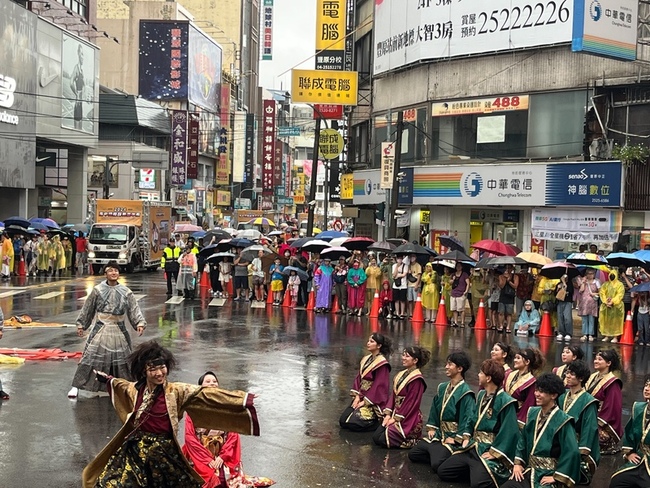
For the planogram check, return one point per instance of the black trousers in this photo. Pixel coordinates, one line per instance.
(432, 453)
(632, 478)
(466, 467)
(172, 276)
(518, 484)
(355, 424)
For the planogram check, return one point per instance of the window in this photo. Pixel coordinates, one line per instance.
(79, 7)
(363, 57)
(414, 136)
(57, 176)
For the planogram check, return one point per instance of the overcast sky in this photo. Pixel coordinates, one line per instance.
(294, 32)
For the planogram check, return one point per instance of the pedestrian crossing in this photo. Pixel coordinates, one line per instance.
(49, 295)
(137, 296)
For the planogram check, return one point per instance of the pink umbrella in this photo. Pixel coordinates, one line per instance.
(495, 247)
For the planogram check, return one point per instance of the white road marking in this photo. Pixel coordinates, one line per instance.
(217, 302)
(10, 293)
(175, 300)
(47, 296)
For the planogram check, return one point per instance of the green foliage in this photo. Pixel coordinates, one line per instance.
(631, 154)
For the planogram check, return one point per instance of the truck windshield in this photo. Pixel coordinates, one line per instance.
(113, 234)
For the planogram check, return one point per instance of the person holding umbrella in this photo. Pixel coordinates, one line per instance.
(356, 288)
(612, 311)
(459, 288)
(323, 286)
(400, 270)
(340, 284)
(588, 304)
(642, 317)
(508, 283)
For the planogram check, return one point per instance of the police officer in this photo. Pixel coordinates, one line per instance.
(169, 262)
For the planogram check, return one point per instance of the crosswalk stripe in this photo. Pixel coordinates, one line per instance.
(47, 296)
(217, 302)
(175, 300)
(138, 297)
(10, 293)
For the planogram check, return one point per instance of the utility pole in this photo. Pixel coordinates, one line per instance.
(391, 225)
(325, 194)
(107, 175)
(312, 187)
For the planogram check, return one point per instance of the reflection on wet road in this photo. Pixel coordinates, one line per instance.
(301, 365)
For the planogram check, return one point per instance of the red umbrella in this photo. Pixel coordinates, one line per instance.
(495, 247)
(358, 243)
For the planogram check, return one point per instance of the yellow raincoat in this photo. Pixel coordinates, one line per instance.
(546, 290)
(445, 284)
(57, 254)
(610, 319)
(430, 289)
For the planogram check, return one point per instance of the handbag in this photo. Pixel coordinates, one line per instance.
(411, 278)
(397, 282)
(561, 295)
(508, 290)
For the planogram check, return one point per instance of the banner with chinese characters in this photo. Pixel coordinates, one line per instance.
(268, 146)
(249, 150)
(223, 198)
(567, 236)
(122, 211)
(538, 246)
(267, 31)
(331, 18)
(347, 186)
(387, 165)
(178, 153)
(480, 105)
(222, 175)
(592, 220)
(239, 147)
(277, 164)
(193, 148)
(330, 87)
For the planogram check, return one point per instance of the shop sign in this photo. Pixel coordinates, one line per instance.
(267, 38)
(425, 217)
(347, 186)
(405, 189)
(477, 215)
(324, 86)
(178, 153)
(328, 111)
(193, 148)
(268, 146)
(606, 27)
(387, 165)
(435, 242)
(577, 220)
(330, 144)
(367, 188)
(579, 184)
(538, 246)
(223, 198)
(331, 24)
(239, 141)
(288, 131)
(480, 106)
(575, 236)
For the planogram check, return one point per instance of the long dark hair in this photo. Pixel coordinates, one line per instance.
(422, 355)
(535, 359)
(145, 354)
(385, 344)
(610, 355)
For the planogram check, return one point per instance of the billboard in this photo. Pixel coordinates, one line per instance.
(119, 212)
(606, 27)
(78, 85)
(204, 71)
(409, 31)
(159, 230)
(178, 153)
(268, 147)
(267, 31)
(238, 146)
(164, 60)
(17, 101)
(330, 87)
(331, 18)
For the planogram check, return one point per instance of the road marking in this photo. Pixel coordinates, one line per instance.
(10, 293)
(137, 297)
(217, 302)
(47, 296)
(175, 300)
(258, 305)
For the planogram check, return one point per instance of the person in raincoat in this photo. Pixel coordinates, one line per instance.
(430, 293)
(373, 284)
(612, 311)
(186, 282)
(7, 256)
(547, 302)
(323, 286)
(43, 252)
(356, 289)
(479, 289)
(57, 254)
(67, 250)
(445, 290)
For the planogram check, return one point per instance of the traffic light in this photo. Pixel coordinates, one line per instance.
(380, 212)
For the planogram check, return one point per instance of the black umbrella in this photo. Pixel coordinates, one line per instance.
(452, 243)
(219, 256)
(396, 241)
(17, 221)
(208, 250)
(335, 252)
(239, 242)
(217, 235)
(454, 256)
(410, 248)
(556, 270)
(358, 243)
(382, 246)
(505, 260)
(302, 274)
(13, 230)
(298, 243)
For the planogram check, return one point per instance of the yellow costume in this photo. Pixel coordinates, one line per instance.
(546, 290)
(430, 289)
(610, 319)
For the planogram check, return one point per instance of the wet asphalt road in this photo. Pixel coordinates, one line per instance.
(301, 365)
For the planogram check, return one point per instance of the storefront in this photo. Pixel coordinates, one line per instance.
(503, 201)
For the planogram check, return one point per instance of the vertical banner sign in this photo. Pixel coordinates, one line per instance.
(249, 153)
(331, 27)
(178, 152)
(239, 147)
(277, 164)
(268, 147)
(223, 162)
(334, 182)
(387, 165)
(267, 30)
(193, 148)
(538, 246)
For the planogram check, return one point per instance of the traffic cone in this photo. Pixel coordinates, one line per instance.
(418, 316)
(287, 299)
(205, 279)
(312, 301)
(21, 267)
(269, 297)
(481, 323)
(335, 304)
(480, 338)
(441, 318)
(628, 333)
(374, 310)
(231, 289)
(626, 358)
(546, 330)
(417, 330)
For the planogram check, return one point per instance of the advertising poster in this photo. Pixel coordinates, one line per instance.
(119, 212)
(268, 147)
(159, 231)
(178, 153)
(204, 71)
(78, 85)
(193, 148)
(267, 31)
(331, 18)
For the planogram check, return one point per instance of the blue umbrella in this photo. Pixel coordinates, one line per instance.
(643, 255)
(48, 222)
(645, 286)
(200, 234)
(239, 242)
(19, 221)
(625, 259)
(302, 274)
(38, 226)
(328, 235)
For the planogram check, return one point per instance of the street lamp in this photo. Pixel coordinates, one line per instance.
(238, 201)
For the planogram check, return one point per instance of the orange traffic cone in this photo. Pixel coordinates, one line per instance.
(335, 304)
(418, 316)
(269, 297)
(628, 333)
(287, 299)
(481, 323)
(480, 338)
(626, 358)
(374, 310)
(312, 301)
(441, 318)
(231, 289)
(205, 279)
(21, 267)
(374, 325)
(546, 330)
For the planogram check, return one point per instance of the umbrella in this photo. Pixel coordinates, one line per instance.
(328, 235)
(17, 221)
(452, 243)
(515, 250)
(261, 221)
(358, 243)
(13, 230)
(208, 250)
(534, 258)
(250, 234)
(275, 233)
(506, 260)
(430, 251)
(495, 247)
(643, 287)
(250, 252)
(382, 246)
(643, 255)
(38, 226)
(335, 252)
(219, 256)
(302, 274)
(338, 241)
(215, 235)
(224, 245)
(396, 241)
(586, 258)
(556, 270)
(199, 234)
(187, 228)
(238, 242)
(454, 256)
(624, 258)
(315, 245)
(483, 263)
(298, 243)
(410, 248)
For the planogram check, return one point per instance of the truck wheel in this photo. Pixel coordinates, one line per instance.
(97, 269)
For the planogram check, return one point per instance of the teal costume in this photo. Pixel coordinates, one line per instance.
(635, 439)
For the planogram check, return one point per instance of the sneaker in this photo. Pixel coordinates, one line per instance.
(559, 337)
(73, 393)
(567, 337)
(389, 316)
(641, 343)
(583, 338)
(605, 339)
(614, 340)
(591, 338)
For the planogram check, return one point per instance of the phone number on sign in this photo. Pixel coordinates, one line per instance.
(537, 15)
